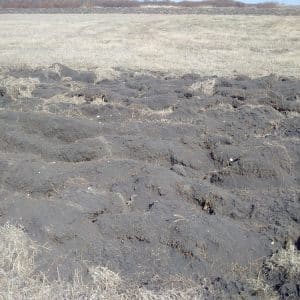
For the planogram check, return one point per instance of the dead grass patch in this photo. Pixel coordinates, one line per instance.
(175, 44)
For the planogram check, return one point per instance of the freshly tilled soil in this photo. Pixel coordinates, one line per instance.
(152, 175)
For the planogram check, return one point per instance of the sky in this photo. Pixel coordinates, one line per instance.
(257, 1)
(280, 1)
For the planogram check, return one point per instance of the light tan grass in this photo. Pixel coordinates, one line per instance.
(207, 86)
(19, 87)
(205, 44)
(288, 260)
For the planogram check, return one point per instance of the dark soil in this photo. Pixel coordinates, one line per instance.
(155, 176)
(278, 11)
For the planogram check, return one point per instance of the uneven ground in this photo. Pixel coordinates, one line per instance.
(151, 175)
(183, 184)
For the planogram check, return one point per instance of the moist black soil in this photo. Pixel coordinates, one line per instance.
(154, 176)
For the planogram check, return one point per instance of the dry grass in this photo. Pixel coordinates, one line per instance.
(286, 261)
(19, 279)
(19, 87)
(221, 45)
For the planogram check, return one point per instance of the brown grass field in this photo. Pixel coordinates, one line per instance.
(208, 45)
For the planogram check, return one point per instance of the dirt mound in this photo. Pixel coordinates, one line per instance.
(154, 176)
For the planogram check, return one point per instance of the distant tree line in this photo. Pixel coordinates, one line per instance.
(66, 3)
(124, 3)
